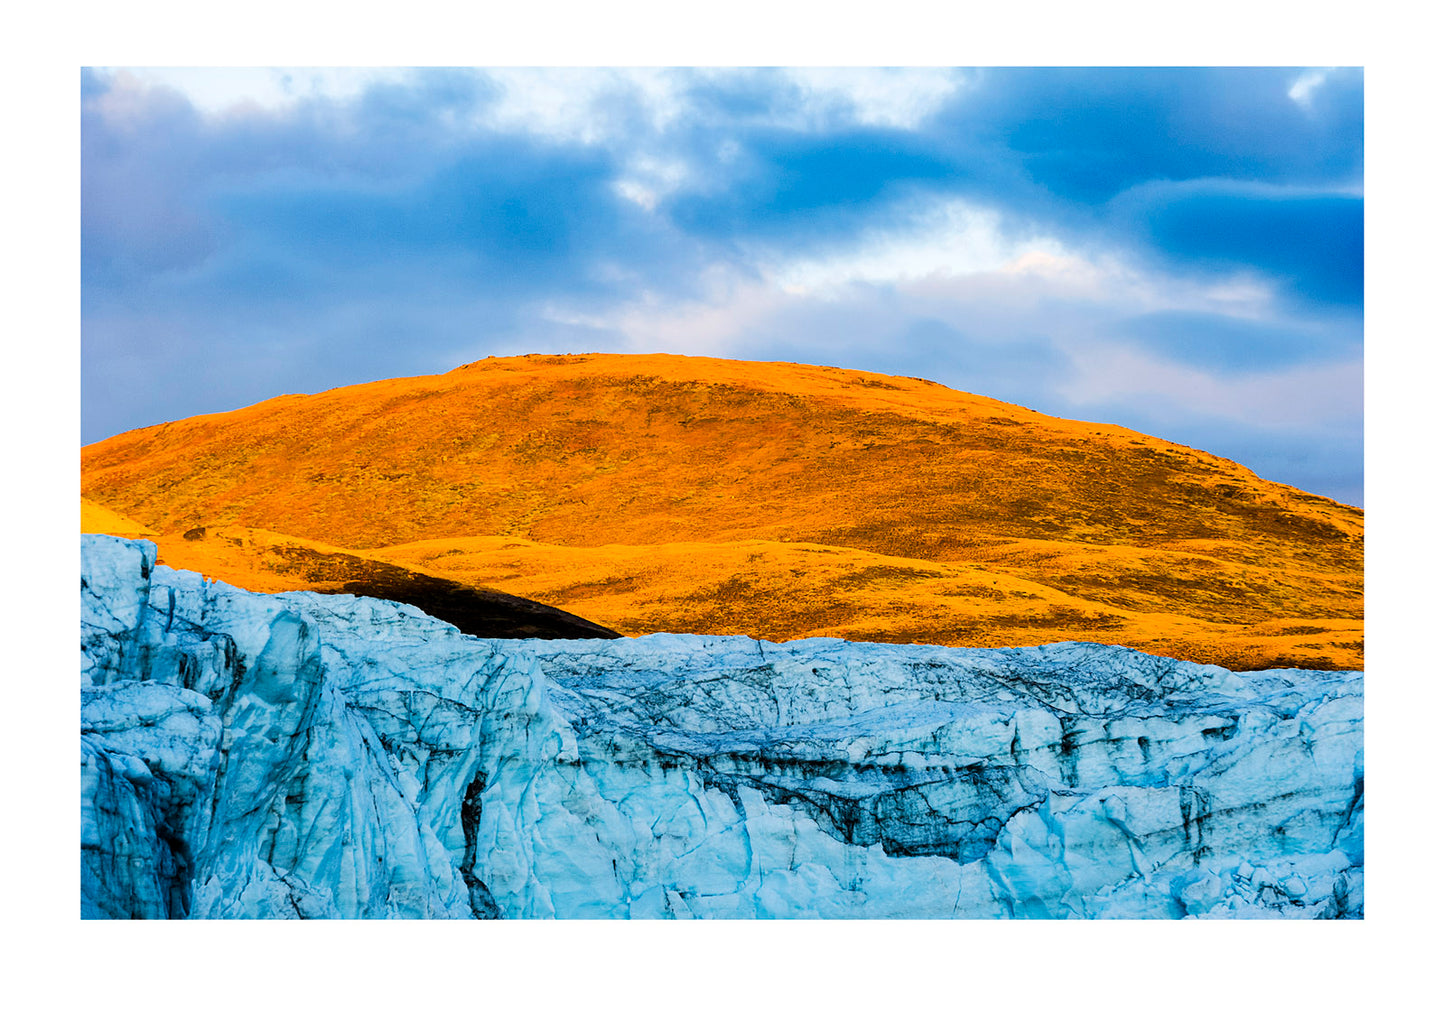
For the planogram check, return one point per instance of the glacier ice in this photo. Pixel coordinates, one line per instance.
(301, 755)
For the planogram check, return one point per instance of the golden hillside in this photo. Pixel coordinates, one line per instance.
(658, 492)
(95, 518)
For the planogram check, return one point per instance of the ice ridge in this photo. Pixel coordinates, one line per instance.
(310, 756)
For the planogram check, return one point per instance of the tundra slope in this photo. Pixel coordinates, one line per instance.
(308, 755)
(664, 493)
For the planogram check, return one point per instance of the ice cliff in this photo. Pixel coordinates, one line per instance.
(300, 755)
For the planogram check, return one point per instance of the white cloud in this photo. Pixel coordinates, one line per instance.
(571, 104)
(217, 90)
(1303, 88)
(648, 179)
(960, 251)
(953, 238)
(1302, 396)
(734, 306)
(953, 262)
(886, 97)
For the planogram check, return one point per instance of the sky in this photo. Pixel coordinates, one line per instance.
(1179, 251)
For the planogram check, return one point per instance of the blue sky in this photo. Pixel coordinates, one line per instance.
(1178, 251)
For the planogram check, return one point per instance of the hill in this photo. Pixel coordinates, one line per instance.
(660, 492)
(262, 561)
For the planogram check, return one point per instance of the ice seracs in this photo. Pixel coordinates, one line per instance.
(299, 755)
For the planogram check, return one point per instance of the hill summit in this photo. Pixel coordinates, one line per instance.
(669, 493)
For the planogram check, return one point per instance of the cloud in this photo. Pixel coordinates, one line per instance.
(1329, 392)
(1037, 235)
(220, 90)
(1087, 134)
(1314, 243)
(1230, 345)
(948, 239)
(888, 97)
(787, 189)
(1303, 88)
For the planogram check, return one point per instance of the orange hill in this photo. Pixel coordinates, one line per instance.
(658, 492)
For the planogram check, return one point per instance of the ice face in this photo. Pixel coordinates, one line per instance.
(299, 755)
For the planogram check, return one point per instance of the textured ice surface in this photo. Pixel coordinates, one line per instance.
(299, 755)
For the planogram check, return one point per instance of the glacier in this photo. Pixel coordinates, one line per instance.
(328, 756)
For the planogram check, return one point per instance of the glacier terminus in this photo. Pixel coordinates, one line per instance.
(328, 756)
